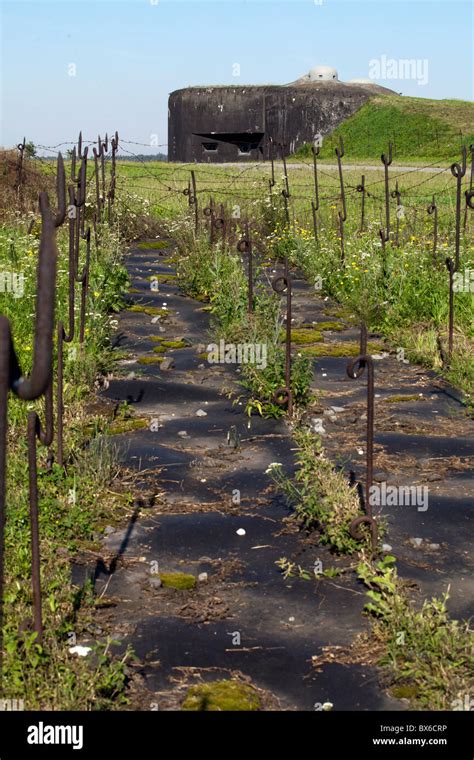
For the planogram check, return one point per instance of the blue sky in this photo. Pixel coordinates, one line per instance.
(130, 54)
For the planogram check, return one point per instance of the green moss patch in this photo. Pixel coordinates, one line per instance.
(222, 696)
(150, 359)
(340, 349)
(119, 426)
(182, 581)
(159, 350)
(303, 335)
(400, 399)
(152, 311)
(168, 343)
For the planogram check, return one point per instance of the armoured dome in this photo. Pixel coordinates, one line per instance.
(322, 73)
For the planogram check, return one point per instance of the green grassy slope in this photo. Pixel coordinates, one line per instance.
(420, 130)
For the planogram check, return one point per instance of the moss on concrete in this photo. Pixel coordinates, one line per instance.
(182, 581)
(400, 399)
(222, 696)
(152, 311)
(119, 426)
(150, 359)
(340, 349)
(303, 335)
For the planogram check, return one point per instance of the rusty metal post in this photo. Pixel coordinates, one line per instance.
(315, 203)
(195, 202)
(272, 159)
(62, 336)
(30, 388)
(113, 177)
(286, 190)
(19, 170)
(355, 369)
(361, 189)
(84, 281)
(471, 185)
(458, 171)
(342, 216)
(397, 195)
(433, 210)
(451, 267)
(245, 246)
(386, 160)
(284, 396)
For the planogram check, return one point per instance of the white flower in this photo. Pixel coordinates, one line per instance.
(272, 466)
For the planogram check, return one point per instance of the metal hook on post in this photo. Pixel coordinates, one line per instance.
(30, 388)
(458, 170)
(355, 369)
(387, 160)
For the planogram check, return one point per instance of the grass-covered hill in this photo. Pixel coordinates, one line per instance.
(420, 129)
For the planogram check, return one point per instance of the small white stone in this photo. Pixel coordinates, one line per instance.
(202, 577)
(360, 451)
(201, 413)
(240, 532)
(291, 619)
(80, 651)
(386, 548)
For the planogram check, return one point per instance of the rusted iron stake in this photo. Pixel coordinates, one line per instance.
(315, 203)
(458, 170)
(342, 215)
(355, 369)
(19, 171)
(386, 160)
(450, 264)
(361, 189)
(433, 211)
(397, 195)
(32, 387)
(245, 246)
(194, 202)
(471, 185)
(284, 396)
(286, 190)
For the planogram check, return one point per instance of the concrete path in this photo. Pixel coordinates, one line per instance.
(199, 453)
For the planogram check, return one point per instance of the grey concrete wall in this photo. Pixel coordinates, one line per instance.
(291, 115)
